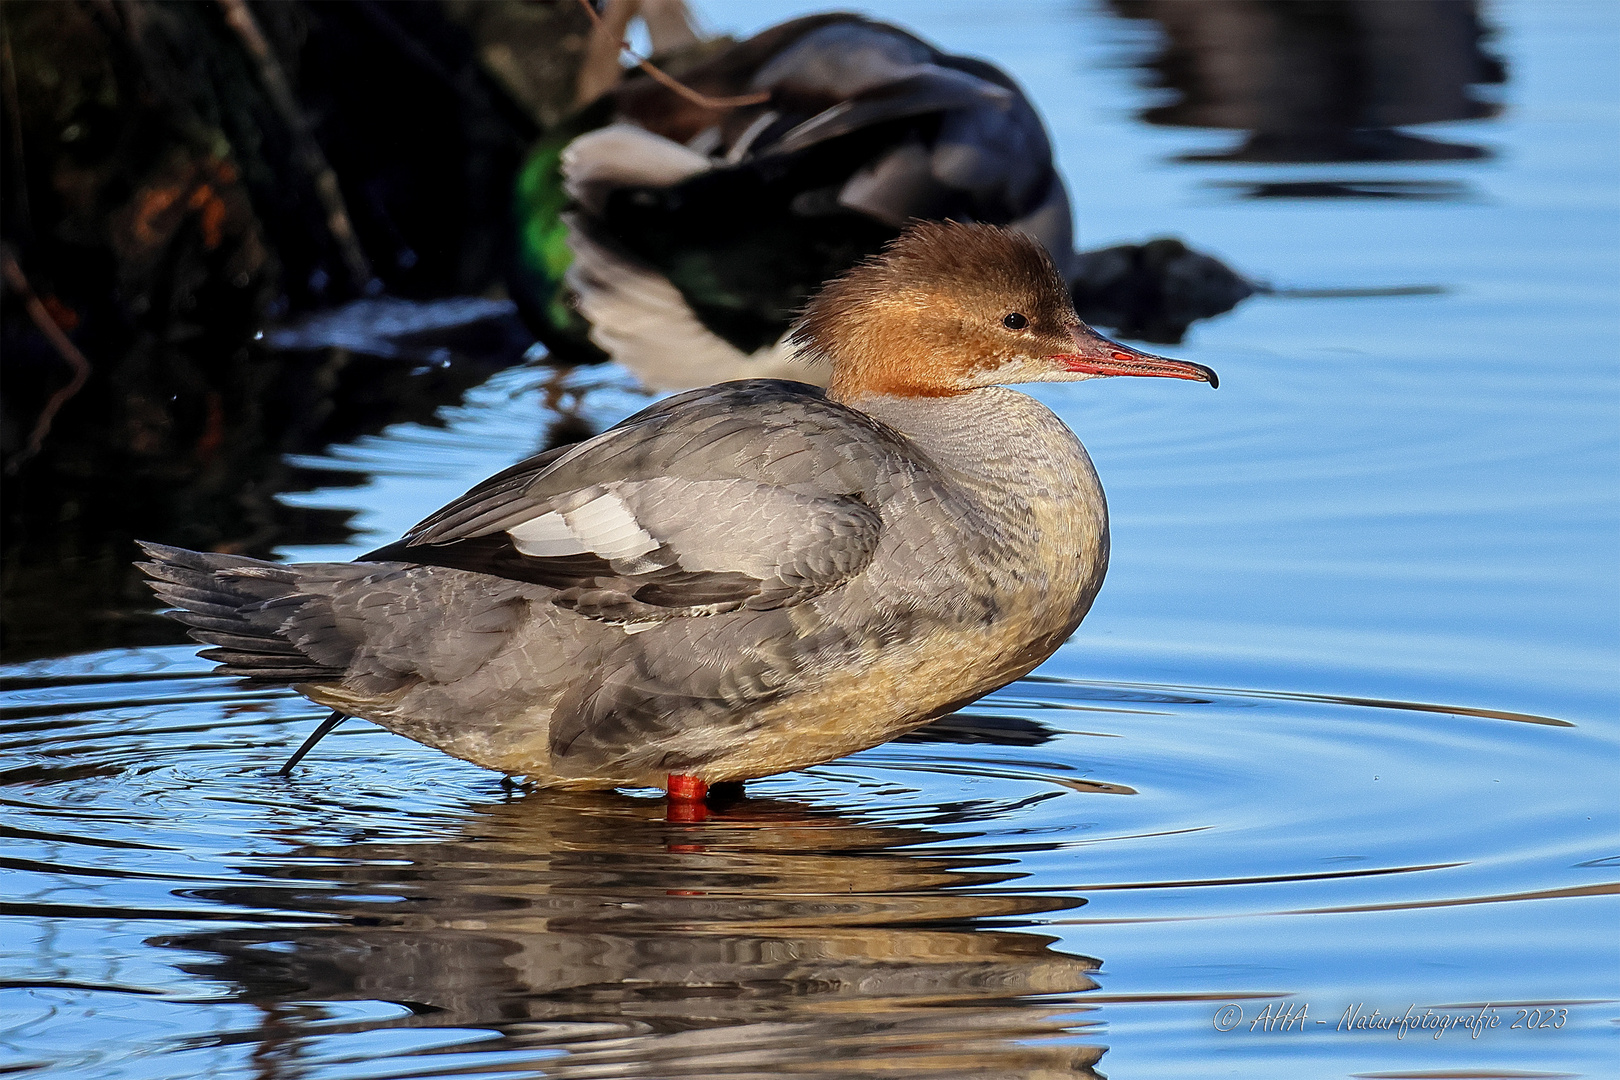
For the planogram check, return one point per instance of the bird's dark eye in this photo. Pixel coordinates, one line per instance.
(1014, 321)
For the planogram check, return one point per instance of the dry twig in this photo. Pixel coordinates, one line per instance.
(17, 281)
(669, 81)
(309, 153)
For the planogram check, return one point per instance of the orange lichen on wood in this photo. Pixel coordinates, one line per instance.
(212, 214)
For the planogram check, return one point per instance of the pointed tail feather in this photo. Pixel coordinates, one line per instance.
(255, 614)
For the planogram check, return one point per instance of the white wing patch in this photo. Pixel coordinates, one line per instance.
(604, 526)
(609, 527)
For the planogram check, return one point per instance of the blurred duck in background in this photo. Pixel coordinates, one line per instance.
(680, 219)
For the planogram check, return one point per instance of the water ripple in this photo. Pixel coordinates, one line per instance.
(945, 892)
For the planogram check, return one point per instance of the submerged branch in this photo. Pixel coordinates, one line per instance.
(17, 281)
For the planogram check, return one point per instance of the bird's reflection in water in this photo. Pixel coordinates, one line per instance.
(1331, 80)
(597, 939)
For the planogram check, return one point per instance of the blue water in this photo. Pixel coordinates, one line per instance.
(1340, 731)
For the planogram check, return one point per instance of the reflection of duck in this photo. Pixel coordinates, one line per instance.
(697, 231)
(1326, 81)
(583, 928)
(737, 581)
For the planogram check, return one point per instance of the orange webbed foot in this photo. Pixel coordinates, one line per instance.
(686, 795)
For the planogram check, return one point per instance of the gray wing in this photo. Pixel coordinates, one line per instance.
(757, 494)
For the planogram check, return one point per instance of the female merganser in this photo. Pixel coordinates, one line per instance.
(682, 239)
(740, 580)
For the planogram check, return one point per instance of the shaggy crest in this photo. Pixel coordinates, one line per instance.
(925, 314)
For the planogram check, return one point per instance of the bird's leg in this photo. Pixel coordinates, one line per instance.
(725, 792)
(511, 785)
(686, 795)
(309, 744)
(687, 788)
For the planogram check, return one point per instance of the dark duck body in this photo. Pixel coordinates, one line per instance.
(682, 239)
(739, 580)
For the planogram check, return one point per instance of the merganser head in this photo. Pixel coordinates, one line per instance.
(948, 307)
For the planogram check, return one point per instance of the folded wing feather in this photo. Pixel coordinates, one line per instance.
(761, 494)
